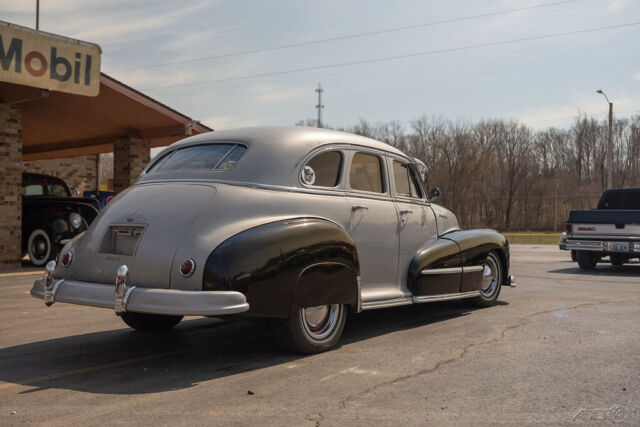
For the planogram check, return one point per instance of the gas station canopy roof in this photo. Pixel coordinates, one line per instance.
(56, 124)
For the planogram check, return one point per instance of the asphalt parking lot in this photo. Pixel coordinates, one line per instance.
(560, 348)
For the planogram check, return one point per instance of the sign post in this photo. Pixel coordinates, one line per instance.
(48, 61)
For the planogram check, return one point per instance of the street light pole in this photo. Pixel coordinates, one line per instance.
(610, 142)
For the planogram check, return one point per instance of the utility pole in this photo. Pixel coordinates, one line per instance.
(37, 15)
(555, 210)
(610, 142)
(319, 107)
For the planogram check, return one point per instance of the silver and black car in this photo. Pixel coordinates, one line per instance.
(297, 225)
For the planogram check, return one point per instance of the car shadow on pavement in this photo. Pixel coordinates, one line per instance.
(200, 349)
(627, 270)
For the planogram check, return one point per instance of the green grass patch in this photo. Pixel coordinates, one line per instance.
(532, 238)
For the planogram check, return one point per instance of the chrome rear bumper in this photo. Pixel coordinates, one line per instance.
(142, 300)
(585, 245)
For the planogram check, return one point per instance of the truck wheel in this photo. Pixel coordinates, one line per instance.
(587, 260)
(39, 247)
(617, 260)
(574, 257)
(145, 322)
(312, 329)
(491, 283)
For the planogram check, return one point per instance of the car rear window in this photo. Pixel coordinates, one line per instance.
(201, 157)
(621, 199)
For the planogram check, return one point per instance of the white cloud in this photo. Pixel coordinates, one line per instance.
(219, 122)
(264, 93)
(562, 115)
(617, 5)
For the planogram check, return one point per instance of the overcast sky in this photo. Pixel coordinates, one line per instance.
(544, 82)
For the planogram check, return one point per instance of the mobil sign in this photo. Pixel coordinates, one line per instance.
(48, 61)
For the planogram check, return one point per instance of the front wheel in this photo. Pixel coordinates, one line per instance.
(145, 322)
(492, 275)
(312, 329)
(40, 248)
(587, 260)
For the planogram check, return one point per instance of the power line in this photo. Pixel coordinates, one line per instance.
(395, 57)
(349, 36)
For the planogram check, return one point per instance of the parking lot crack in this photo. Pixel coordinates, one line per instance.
(502, 334)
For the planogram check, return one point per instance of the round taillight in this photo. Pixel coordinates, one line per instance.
(66, 259)
(187, 267)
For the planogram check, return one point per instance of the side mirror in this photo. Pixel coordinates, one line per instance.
(434, 194)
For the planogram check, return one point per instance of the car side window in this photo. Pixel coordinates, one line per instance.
(323, 170)
(366, 173)
(405, 180)
(33, 190)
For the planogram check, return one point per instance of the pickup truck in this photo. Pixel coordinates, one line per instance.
(611, 230)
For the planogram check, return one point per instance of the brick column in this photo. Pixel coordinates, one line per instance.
(130, 156)
(10, 186)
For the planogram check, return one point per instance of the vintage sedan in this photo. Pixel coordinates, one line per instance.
(296, 225)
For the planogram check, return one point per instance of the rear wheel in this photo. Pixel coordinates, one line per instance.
(491, 282)
(587, 260)
(145, 322)
(312, 329)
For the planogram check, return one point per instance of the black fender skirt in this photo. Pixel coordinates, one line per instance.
(285, 265)
(439, 266)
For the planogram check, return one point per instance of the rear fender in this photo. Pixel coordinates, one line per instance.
(284, 265)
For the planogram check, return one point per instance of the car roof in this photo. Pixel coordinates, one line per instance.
(299, 139)
(273, 153)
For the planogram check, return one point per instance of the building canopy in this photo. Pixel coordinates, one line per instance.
(56, 124)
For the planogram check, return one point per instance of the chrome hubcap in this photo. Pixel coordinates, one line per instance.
(39, 247)
(319, 322)
(490, 277)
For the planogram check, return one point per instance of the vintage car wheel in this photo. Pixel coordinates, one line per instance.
(39, 247)
(586, 260)
(312, 329)
(145, 322)
(491, 282)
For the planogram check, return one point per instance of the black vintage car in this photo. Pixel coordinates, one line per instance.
(50, 216)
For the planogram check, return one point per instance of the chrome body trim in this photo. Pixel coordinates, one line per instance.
(473, 268)
(370, 305)
(147, 300)
(450, 270)
(445, 297)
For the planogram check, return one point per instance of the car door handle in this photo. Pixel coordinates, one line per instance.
(359, 207)
(405, 212)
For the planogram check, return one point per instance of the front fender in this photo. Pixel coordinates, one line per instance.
(286, 264)
(439, 267)
(475, 245)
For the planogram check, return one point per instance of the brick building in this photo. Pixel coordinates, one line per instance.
(65, 135)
